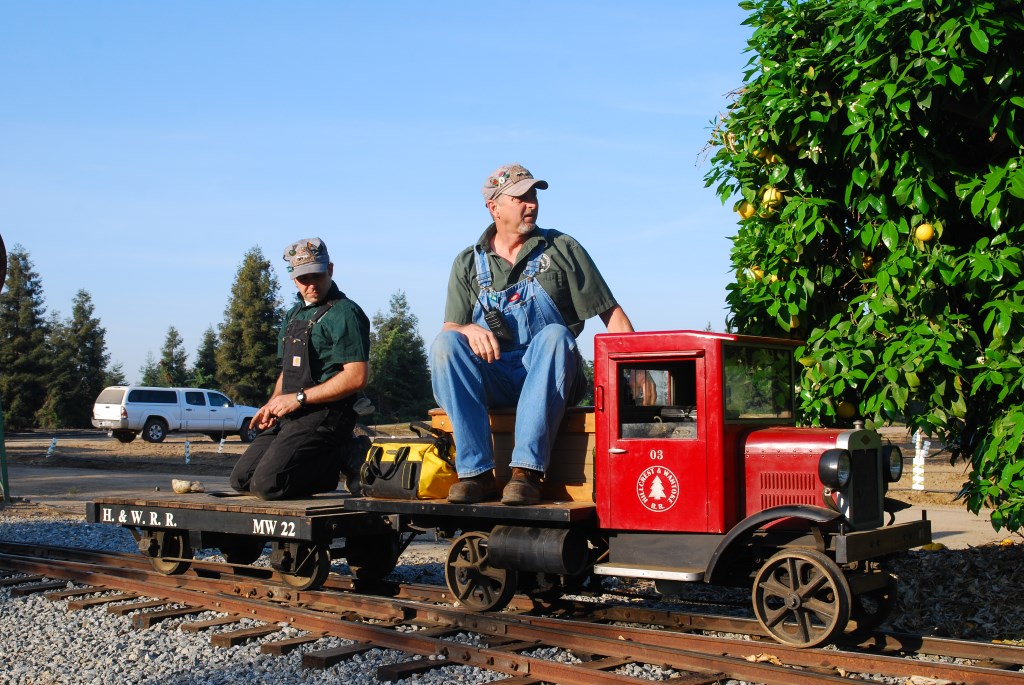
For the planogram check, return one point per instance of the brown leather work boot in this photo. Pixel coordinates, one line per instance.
(479, 488)
(523, 488)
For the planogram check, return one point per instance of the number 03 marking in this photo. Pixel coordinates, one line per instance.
(657, 454)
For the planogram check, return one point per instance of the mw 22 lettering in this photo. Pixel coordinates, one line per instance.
(284, 529)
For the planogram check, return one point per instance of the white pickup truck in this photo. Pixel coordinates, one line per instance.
(128, 410)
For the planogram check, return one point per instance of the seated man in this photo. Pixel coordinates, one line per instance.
(517, 299)
(324, 345)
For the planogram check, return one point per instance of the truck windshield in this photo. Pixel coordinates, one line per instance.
(758, 382)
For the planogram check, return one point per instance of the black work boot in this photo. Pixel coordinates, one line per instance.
(479, 488)
(352, 461)
(523, 488)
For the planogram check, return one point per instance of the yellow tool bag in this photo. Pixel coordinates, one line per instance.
(410, 468)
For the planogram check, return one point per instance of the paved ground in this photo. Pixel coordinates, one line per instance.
(69, 489)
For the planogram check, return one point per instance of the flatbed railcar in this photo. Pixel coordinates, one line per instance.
(689, 468)
(301, 533)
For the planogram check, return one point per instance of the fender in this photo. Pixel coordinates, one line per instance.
(756, 521)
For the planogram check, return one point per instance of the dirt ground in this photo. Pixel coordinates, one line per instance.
(94, 449)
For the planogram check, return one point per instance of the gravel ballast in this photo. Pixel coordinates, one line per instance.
(41, 643)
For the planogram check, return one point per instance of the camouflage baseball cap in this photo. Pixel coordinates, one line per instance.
(511, 179)
(307, 256)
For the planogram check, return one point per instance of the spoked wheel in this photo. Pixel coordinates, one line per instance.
(312, 566)
(371, 557)
(802, 598)
(243, 551)
(472, 580)
(871, 608)
(175, 554)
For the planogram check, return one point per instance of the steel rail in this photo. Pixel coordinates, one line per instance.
(610, 639)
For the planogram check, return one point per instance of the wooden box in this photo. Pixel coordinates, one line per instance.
(570, 475)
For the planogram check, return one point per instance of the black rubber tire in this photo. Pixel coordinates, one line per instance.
(155, 430)
(125, 436)
(248, 434)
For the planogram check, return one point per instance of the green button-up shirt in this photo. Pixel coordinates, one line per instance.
(341, 337)
(568, 275)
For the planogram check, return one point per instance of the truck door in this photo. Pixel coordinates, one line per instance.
(654, 475)
(222, 413)
(196, 416)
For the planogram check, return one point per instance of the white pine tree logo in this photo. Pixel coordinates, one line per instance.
(657, 488)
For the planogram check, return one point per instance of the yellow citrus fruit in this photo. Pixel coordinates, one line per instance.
(794, 322)
(771, 197)
(924, 232)
(757, 271)
(867, 261)
(846, 410)
(745, 210)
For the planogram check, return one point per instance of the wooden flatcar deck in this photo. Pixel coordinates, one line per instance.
(314, 518)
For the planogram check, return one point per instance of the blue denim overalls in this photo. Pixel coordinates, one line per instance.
(536, 373)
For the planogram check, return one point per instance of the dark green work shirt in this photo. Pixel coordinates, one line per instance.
(568, 275)
(342, 336)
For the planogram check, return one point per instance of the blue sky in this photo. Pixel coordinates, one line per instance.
(146, 146)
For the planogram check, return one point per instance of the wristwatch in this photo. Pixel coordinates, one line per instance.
(301, 397)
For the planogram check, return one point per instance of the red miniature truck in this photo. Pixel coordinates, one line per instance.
(690, 468)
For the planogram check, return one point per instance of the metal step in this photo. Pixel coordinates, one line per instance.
(688, 575)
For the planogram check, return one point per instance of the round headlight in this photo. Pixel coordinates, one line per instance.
(834, 468)
(893, 457)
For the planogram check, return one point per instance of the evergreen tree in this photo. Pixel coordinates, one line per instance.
(151, 373)
(204, 373)
(78, 353)
(247, 364)
(24, 364)
(173, 360)
(399, 376)
(115, 375)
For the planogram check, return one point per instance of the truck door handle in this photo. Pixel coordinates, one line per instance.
(616, 450)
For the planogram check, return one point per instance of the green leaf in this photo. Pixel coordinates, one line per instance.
(979, 39)
(956, 74)
(860, 177)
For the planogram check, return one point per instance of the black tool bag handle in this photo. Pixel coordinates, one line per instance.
(442, 440)
(373, 468)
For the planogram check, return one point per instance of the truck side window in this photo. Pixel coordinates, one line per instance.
(658, 400)
(195, 399)
(218, 400)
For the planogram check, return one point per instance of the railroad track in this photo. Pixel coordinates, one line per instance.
(419, 620)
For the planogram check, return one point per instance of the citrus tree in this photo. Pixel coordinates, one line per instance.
(873, 156)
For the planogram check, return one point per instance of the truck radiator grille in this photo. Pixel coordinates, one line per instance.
(866, 489)
(779, 488)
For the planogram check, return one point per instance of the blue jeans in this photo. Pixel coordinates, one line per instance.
(537, 381)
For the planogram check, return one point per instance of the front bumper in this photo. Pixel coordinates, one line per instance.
(870, 544)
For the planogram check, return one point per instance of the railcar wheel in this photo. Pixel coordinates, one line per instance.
(871, 608)
(472, 580)
(801, 598)
(175, 554)
(312, 567)
(371, 557)
(243, 551)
